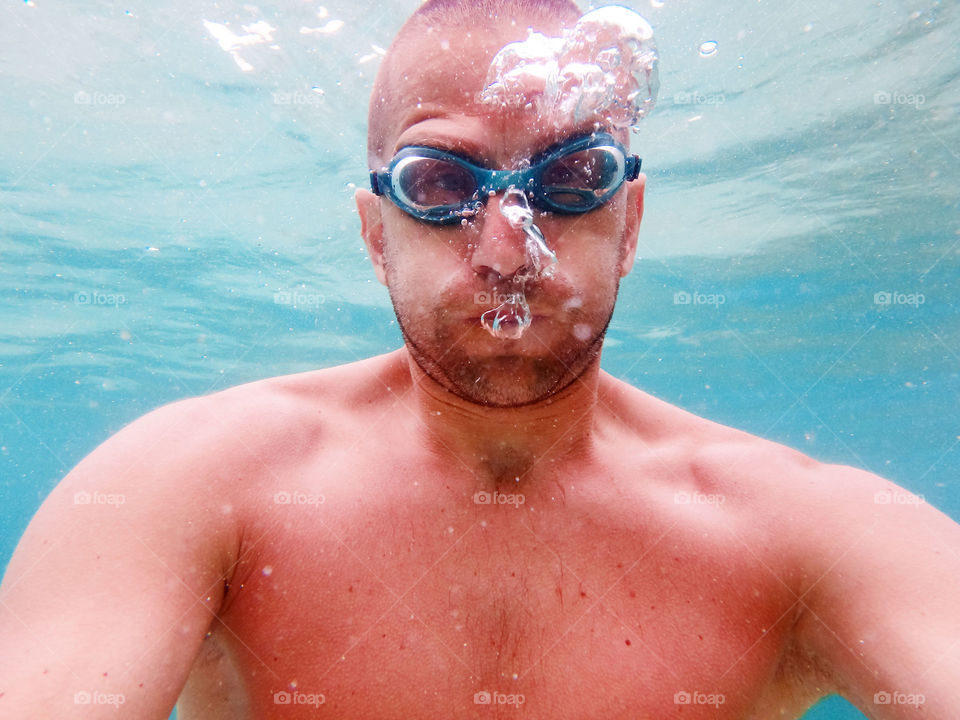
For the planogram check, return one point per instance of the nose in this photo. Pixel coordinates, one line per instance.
(499, 249)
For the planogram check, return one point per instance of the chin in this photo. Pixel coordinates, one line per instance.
(515, 376)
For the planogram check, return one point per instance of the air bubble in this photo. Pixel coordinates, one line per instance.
(708, 48)
(510, 320)
(605, 67)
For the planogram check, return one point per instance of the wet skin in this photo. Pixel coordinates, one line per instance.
(322, 534)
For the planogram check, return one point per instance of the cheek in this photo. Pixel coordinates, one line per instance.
(589, 253)
(422, 266)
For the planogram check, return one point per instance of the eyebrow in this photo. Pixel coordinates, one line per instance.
(451, 149)
(473, 153)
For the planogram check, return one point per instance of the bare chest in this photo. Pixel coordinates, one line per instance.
(436, 609)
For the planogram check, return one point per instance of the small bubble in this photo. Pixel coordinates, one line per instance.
(708, 48)
(267, 570)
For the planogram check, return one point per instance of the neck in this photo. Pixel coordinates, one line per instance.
(505, 446)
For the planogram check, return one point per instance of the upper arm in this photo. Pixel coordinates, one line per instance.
(109, 594)
(881, 609)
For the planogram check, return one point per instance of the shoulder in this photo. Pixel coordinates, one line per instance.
(710, 449)
(218, 436)
(763, 473)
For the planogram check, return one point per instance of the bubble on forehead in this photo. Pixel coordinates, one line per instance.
(604, 69)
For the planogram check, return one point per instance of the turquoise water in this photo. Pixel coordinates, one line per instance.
(156, 200)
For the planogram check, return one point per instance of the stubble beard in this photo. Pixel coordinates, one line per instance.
(509, 380)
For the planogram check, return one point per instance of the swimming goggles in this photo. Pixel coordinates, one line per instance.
(439, 186)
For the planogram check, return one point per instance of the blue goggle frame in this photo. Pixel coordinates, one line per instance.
(389, 181)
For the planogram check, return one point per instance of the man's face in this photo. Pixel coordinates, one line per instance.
(443, 278)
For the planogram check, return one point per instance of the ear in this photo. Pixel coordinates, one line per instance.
(371, 227)
(631, 230)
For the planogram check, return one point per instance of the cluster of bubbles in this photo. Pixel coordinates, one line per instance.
(604, 68)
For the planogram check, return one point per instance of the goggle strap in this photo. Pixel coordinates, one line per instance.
(375, 183)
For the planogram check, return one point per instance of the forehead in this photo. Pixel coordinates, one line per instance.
(434, 84)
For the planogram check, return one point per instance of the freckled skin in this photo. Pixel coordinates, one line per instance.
(396, 537)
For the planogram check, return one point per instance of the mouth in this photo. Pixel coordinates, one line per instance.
(474, 318)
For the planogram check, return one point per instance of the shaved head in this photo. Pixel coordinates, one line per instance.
(446, 19)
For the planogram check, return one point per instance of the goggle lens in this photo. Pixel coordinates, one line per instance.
(583, 179)
(428, 183)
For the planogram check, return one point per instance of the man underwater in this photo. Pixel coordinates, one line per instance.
(483, 517)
